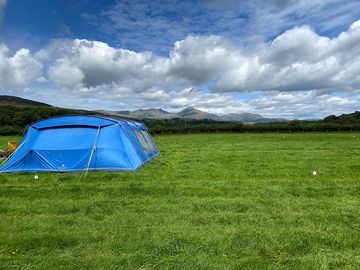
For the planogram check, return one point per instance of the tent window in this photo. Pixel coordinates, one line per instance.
(146, 145)
(148, 139)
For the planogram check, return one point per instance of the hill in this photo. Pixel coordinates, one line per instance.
(351, 118)
(17, 101)
(17, 113)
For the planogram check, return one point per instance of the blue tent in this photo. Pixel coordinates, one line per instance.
(82, 143)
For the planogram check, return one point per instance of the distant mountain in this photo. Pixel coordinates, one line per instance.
(187, 113)
(149, 113)
(141, 114)
(249, 118)
(242, 117)
(17, 101)
(193, 114)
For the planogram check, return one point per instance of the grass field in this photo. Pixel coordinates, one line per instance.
(229, 201)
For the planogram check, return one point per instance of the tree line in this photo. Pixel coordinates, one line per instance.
(15, 119)
(288, 127)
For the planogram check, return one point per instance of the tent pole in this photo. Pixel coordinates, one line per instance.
(91, 155)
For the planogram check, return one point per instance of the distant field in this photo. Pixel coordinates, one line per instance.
(229, 201)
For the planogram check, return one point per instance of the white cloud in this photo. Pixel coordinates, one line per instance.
(19, 70)
(297, 60)
(93, 63)
(62, 73)
(306, 104)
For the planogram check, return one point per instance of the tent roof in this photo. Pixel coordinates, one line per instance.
(82, 120)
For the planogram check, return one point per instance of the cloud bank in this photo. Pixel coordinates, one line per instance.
(297, 60)
(204, 71)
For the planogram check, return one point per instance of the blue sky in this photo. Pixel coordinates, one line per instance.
(157, 25)
(258, 56)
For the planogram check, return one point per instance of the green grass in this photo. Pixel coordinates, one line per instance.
(229, 201)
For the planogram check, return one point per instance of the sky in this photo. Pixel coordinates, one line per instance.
(279, 58)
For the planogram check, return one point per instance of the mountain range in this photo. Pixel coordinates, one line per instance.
(190, 113)
(18, 112)
(193, 114)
